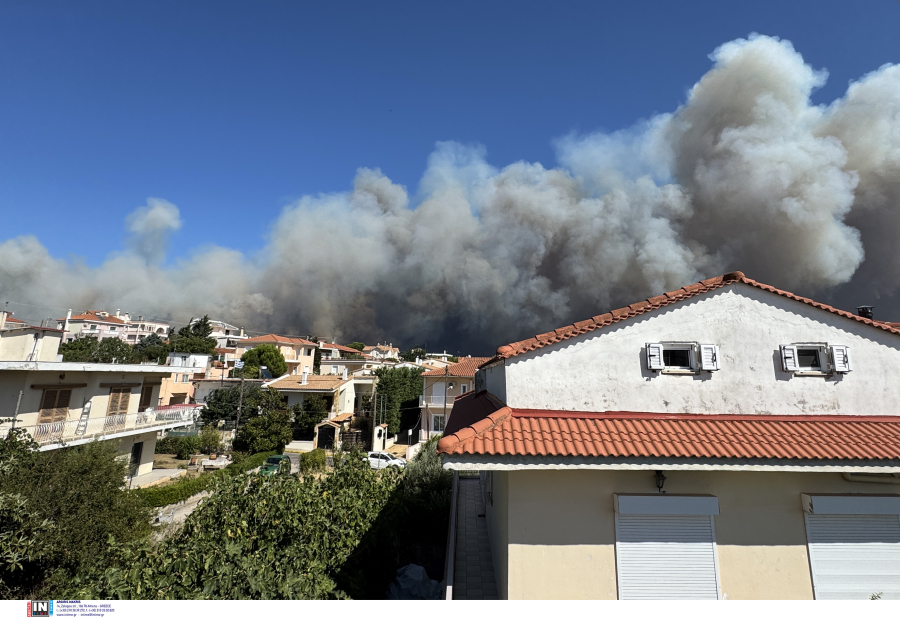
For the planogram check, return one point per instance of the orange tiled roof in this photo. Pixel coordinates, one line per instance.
(93, 316)
(465, 368)
(13, 320)
(340, 418)
(342, 348)
(689, 291)
(510, 431)
(314, 383)
(275, 339)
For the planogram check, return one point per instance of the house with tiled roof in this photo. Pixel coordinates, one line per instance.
(724, 440)
(99, 324)
(439, 389)
(298, 353)
(382, 351)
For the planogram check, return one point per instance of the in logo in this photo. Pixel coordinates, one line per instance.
(40, 608)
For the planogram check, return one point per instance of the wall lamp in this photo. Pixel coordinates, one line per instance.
(660, 481)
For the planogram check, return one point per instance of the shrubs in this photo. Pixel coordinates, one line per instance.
(185, 488)
(313, 461)
(210, 439)
(180, 446)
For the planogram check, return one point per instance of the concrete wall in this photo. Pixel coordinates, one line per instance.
(149, 440)
(561, 529)
(496, 502)
(607, 370)
(492, 379)
(18, 344)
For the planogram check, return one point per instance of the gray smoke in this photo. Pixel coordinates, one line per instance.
(747, 174)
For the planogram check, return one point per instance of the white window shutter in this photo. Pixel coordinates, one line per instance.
(709, 357)
(655, 357)
(789, 358)
(841, 357)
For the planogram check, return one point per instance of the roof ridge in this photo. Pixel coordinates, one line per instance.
(684, 416)
(667, 298)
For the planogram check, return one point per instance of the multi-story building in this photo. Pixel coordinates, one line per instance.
(135, 330)
(179, 388)
(440, 387)
(299, 354)
(66, 404)
(225, 334)
(724, 440)
(103, 325)
(382, 351)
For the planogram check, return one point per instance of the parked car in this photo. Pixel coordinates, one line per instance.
(384, 460)
(276, 464)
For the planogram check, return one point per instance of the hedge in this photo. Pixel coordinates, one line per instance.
(185, 488)
(312, 461)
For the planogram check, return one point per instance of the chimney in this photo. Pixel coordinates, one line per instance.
(117, 313)
(304, 380)
(242, 331)
(68, 317)
(2, 319)
(866, 311)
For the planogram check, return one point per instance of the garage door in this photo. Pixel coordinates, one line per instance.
(666, 547)
(854, 556)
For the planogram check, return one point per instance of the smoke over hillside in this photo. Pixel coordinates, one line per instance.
(747, 175)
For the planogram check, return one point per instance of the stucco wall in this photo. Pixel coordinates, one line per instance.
(561, 529)
(606, 370)
(149, 448)
(497, 514)
(493, 379)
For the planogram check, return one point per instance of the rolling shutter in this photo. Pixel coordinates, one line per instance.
(709, 357)
(789, 358)
(666, 557)
(840, 355)
(655, 357)
(854, 556)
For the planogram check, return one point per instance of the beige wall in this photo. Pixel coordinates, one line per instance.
(561, 529)
(496, 503)
(17, 344)
(171, 388)
(149, 440)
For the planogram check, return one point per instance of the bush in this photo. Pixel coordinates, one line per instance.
(187, 446)
(185, 488)
(269, 432)
(210, 439)
(313, 461)
(168, 445)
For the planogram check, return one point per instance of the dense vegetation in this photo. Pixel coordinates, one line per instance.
(264, 355)
(398, 396)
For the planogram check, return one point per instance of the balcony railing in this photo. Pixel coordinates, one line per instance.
(435, 400)
(105, 426)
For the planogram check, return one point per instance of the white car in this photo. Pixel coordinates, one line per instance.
(384, 460)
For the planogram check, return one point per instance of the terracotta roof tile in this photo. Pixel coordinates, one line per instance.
(340, 418)
(93, 316)
(314, 383)
(275, 339)
(465, 368)
(689, 291)
(342, 348)
(507, 431)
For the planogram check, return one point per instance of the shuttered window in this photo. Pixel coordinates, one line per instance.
(118, 401)
(55, 405)
(854, 556)
(146, 398)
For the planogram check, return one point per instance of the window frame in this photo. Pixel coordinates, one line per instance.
(691, 346)
(823, 350)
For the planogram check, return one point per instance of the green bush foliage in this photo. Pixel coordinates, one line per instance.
(313, 461)
(278, 537)
(185, 488)
(58, 509)
(168, 445)
(210, 440)
(269, 432)
(398, 391)
(187, 446)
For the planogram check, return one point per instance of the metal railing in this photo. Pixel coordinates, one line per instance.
(435, 400)
(103, 426)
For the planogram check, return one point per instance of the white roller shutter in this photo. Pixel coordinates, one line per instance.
(854, 556)
(666, 557)
(655, 357)
(709, 357)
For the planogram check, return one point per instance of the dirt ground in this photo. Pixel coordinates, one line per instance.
(398, 450)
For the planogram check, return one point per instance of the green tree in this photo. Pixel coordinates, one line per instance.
(265, 355)
(80, 492)
(271, 431)
(222, 403)
(114, 350)
(357, 345)
(412, 354)
(313, 411)
(151, 348)
(398, 391)
(210, 439)
(194, 338)
(80, 350)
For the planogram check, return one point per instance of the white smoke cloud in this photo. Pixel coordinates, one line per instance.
(747, 174)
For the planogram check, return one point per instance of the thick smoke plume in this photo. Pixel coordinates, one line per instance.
(747, 174)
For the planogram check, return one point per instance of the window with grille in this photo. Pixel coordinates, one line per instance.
(55, 405)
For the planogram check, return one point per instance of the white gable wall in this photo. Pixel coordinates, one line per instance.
(606, 370)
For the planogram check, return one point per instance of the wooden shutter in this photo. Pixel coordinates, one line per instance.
(840, 356)
(55, 405)
(655, 357)
(666, 557)
(789, 358)
(118, 401)
(854, 556)
(709, 357)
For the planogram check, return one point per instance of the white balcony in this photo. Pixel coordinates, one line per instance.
(79, 431)
(435, 400)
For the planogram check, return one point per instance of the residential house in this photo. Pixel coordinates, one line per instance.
(382, 351)
(225, 334)
(135, 330)
(338, 391)
(440, 387)
(725, 440)
(299, 354)
(179, 388)
(335, 359)
(99, 324)
(66, 404)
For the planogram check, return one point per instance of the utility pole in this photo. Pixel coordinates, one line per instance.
(446, 375)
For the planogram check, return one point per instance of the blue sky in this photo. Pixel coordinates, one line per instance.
(232, 110)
